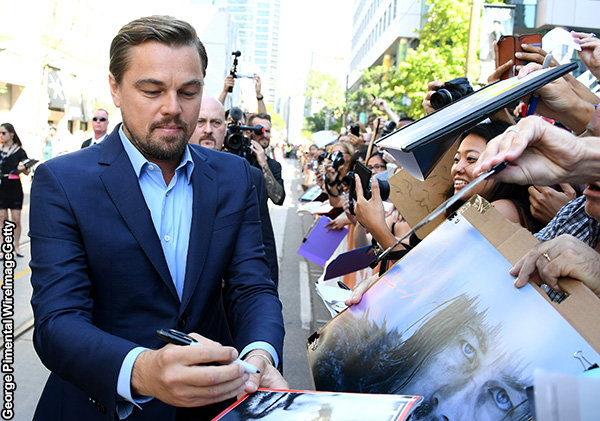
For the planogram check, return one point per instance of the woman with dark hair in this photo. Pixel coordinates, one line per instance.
(12, 157)
(511, 200)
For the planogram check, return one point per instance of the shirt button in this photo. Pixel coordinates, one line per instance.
(167, 194)
(167, 238)
(151, 167)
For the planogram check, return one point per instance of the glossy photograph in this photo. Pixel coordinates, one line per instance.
(447, 323)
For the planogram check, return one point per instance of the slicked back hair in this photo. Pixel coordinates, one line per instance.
(163, 29)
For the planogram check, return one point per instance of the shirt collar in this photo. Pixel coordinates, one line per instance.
(138, 161)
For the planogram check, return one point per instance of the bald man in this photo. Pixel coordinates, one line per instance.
(210, 132)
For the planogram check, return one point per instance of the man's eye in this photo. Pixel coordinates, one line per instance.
(501, 398)
(468, 350)
(201, 122)
(217, 123)
(189, 94)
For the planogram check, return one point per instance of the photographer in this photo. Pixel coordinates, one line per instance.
(337, 165)
(210, 132)
(270, 168)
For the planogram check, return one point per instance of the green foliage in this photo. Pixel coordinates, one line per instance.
(441, 53)
(378, 82)
(325, 92)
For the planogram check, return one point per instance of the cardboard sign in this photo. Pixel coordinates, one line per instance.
(416, 199)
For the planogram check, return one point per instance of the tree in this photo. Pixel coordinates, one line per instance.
(378, 82)
(324, 92)
(441, 53)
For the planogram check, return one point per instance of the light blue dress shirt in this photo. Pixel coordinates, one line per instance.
(171, 208)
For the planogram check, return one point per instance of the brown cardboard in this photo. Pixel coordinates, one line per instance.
(581, 309)
(416, 199)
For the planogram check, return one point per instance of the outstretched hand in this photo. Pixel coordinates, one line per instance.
(537, 152)
(563, 256)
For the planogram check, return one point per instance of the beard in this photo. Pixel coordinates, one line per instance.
(165, 148)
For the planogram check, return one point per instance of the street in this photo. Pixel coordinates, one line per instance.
(303, 310)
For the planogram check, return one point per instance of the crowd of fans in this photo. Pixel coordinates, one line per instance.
(557, 210)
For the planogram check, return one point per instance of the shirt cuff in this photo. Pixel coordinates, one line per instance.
(124, 409)
(265, 346)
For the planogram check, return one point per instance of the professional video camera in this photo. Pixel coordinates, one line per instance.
(450, 91)
(233, 72)
(235, 141)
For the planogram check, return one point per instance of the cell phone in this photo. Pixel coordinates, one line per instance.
(355, 130)
(364, 173)
(508, 45)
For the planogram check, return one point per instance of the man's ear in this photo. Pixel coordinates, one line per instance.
(114, 90)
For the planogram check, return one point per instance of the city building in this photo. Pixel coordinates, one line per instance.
(54, 70)
(258, 40)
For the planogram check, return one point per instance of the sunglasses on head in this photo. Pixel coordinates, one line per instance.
(99, 119)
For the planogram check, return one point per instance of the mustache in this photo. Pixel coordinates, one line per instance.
(208, 137)
(169, 120)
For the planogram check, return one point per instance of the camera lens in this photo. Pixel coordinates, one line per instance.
(440, 98)
(384, 189)
(234, 142)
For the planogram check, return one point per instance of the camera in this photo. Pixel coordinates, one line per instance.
(364, 173)
(389, 127)
(450, 91)
(233, 71)
(236, 142)
(337, 160)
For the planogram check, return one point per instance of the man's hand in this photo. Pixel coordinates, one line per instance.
(257, 84)
(545, 202)
(356, 141)
(228, 83)
(590, 51)
(269, 377)
(559, 101)
(427, 100)
(259, 152)
(540, 153)
(173, 374)
(564, 256)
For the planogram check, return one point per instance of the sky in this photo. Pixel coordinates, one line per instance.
(320, 26)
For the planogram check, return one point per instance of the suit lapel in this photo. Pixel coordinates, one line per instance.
(204, 182)
(122, 186)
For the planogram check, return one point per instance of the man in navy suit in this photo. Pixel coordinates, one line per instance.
(144, 232)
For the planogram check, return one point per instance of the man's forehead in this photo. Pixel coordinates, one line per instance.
(261, 121)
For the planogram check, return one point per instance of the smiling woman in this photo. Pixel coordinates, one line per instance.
(511, 200)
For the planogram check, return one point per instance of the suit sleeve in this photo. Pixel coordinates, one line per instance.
(251, 300)
(65, 337)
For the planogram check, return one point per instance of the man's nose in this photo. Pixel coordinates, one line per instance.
(170, 104)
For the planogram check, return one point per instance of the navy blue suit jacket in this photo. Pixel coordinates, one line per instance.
(102, 285)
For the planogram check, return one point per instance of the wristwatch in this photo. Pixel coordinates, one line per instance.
(260, 98)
